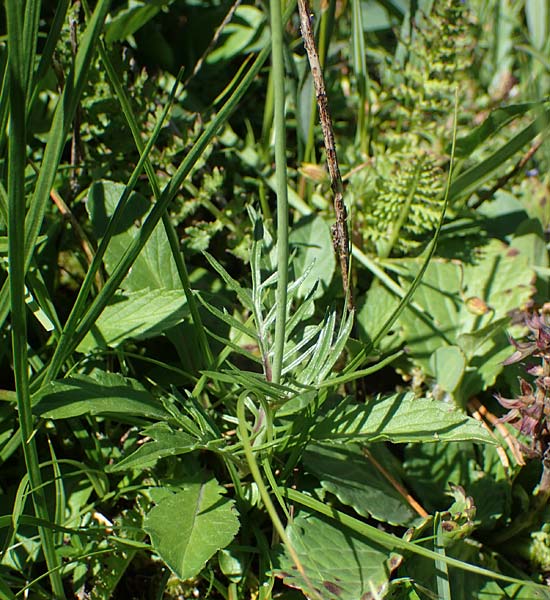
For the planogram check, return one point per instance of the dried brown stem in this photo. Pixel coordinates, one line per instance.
(340, 235)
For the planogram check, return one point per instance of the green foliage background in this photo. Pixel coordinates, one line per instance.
(185, 412)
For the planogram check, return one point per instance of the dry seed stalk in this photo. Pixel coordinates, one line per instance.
(340, 235)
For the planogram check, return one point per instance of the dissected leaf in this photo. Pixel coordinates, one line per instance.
(338, 563)
(188, 527)
(103, 394)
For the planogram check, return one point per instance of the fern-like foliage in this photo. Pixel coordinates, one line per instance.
(401, 198)
(430, 66)
(407, 203)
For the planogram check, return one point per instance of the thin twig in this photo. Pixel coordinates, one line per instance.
(481, 414)
(340, 235)
(414, 504)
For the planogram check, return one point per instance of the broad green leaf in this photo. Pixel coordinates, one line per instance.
(339, 564)
(245, 32)
(103, 394)
(129, 20)
(155, 266)
(347, 473)
(400, 418)
(138, 315)
(312, 240)
(467, 304)
(448, 364)
(529, 240)
(166, 442)
(188, 527)
(486, 366)
(373, 311)
(431, 470)
(439, 296)
(503, 279)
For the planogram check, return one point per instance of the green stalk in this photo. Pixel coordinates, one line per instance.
(19, 73)
(266, 499)
(278, 73)
(131, 253)
(171, 234)
(361, 73)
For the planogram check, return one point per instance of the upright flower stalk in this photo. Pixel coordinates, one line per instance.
(277, 65)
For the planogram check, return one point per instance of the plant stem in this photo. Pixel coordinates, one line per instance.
(255, 471)
(281, 180)
(19, 73)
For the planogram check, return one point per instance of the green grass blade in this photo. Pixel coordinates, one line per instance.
(62, 121)
(473, 178)
(78, 308)
(47, 52)
(156, 213)
(171, 234)
(16, 256)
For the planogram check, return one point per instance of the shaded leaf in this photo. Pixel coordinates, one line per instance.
(346, 472)
(340, 564)
(155, 266)
(103, 394)
(400, 418)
